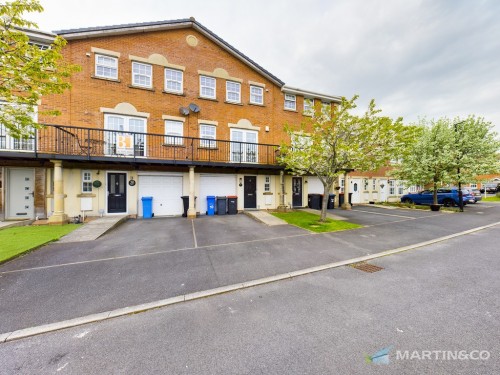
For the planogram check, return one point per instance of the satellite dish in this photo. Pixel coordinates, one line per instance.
(184, 111)
(193, 107)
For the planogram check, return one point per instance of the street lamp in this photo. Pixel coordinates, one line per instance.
(460, 194)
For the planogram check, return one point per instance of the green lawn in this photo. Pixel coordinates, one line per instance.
(310, 222)
(492, 199)
(17, 240)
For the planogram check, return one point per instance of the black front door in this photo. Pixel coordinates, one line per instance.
(117, 193)
(297, 191)
(250, 191)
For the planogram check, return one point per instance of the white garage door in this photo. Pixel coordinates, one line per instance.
(217, 185)
(166, 192)
(315, 186)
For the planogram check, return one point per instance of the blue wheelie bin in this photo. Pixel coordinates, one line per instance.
(210, 205)
(147, 207)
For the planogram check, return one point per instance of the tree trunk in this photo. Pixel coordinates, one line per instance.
(435, 194)
(327, 187)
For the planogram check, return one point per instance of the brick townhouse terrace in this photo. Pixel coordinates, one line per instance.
(161, 109)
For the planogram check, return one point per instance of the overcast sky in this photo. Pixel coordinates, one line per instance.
(416, 58)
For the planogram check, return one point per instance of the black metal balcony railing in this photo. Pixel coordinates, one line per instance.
(91, 144)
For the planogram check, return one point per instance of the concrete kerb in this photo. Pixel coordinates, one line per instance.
(27, 332)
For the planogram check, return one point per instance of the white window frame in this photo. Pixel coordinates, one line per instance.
(86, 182)
(326, 109)
(392, 187)
(113, 67)
(267, 184)
(244, 150)
(301, 141)
(120, 141)
(176, 81)
(253, 96)
(208, 140)
(204, 85)
(401, 188)
(233, 91)
(308, 109)
(174, 129)
(374, 186)
(147, 76)
(27, 140)
(290, 102)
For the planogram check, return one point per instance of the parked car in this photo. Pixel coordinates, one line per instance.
(448, 197)
(490, 187)
(477, 195)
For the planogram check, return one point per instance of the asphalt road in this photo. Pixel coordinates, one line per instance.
(144, 261)
(442, 297)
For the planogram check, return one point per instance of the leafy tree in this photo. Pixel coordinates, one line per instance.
(476, 148)
(440, 148)
(27, 72)
(334, 141)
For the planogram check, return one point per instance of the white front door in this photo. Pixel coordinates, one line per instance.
(20, 193)
(383, 190)
(355, 190)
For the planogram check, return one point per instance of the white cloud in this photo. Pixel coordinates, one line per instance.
(415, 57)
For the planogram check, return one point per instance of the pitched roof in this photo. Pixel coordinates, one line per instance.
(133, 28)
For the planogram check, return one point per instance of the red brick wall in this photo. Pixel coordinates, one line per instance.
(80, 106)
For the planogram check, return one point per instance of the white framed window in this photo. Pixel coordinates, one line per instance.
(25, 143)
(308, 107)
(233, 92)
(128, 135)
(207, 87)
(106, 66)
(290, 102)
(174, 131)
(301, 141)
(142, 74)
(174, 80)
(26, 139)
(374, 186)
(244, 148)
(401, 188)
(256, 95)
(326, 109)
(86, 182)
(342, 185)
(267, 184)
(473, 186)
(207, 135)
(392, 189)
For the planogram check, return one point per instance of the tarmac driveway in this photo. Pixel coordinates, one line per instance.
(147, 260)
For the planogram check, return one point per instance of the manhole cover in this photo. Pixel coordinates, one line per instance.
(366, 267)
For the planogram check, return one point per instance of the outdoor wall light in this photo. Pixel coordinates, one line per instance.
(131, 181)
(241, 183)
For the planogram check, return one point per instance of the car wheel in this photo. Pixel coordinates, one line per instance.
(449, 203)
(407, 201)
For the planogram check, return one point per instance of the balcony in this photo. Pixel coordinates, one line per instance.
(76, 143)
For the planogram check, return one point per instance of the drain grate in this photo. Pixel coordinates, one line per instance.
(366, 267)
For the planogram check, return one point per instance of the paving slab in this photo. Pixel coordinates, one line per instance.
(94, 229)
(265, 217)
